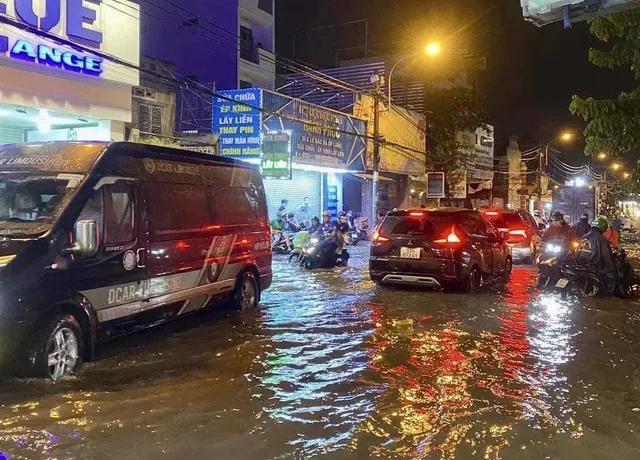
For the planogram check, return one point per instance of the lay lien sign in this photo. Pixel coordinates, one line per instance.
(78, 21)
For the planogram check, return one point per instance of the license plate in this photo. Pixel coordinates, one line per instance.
(410, 253)
(562, 283)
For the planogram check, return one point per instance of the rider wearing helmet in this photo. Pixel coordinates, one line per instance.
(327, 225)
(583, 227)
(342, 225)
(559, 232)
(595, 248)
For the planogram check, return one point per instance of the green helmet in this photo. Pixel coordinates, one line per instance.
(601, 224)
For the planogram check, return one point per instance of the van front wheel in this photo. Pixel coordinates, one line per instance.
(246, 294)
(61, 354)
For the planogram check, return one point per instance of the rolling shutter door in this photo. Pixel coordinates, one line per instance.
(11, 135)
(304, 183)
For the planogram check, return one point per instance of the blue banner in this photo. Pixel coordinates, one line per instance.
(320, 136)
(239, 123)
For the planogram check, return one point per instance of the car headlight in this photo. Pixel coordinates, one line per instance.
(315, 240)
(311, 250)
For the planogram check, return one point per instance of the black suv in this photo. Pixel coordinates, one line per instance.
(442, 248)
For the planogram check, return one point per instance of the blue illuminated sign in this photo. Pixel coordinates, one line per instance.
(77, 16)
(22, 49)
(239, 122)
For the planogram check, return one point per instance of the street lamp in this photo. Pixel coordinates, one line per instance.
(431, 49)
(626, 175)
(564, 137)
(602, 156)
(616, 166)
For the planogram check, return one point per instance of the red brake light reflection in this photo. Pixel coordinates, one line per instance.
(416, 214)
(492, 213)
(521, 233)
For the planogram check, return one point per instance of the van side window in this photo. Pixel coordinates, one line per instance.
(119, 212)
(93, 210)
(176, 207)
(234, 205)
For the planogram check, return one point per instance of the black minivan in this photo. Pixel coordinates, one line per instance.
(441, 248)
(98, 240)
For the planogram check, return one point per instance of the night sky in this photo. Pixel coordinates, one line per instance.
(531, 72)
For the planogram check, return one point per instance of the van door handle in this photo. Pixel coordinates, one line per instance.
(140, 257)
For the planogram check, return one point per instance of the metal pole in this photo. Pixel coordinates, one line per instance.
(376, 150)
(391, 74)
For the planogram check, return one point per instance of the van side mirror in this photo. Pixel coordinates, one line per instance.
(86, 238)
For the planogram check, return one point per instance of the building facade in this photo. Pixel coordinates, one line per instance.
(67, 69)
(318, 146)
(229, 44)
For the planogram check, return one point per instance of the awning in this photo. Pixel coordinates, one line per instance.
(381, 178)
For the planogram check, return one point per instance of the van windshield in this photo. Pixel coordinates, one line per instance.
(30, 203)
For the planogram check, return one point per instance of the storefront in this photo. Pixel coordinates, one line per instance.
(58, 78)
(324, 145)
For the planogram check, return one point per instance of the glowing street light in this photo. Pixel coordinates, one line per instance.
(616, 166)
(430, 49)
(566, 137)
(433, 49)
(602, 156)
(626, 175)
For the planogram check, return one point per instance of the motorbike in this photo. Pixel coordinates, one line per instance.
(281, 246)
(549, 264)
(584, 280)
(316, 255)
(301, 240)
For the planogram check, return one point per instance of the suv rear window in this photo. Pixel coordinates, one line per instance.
(429, 225)
(504, 220)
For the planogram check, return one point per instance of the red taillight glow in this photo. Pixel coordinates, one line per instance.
(377, 238)
(521, 233)
(451, 238)
(416, 214)
(492, 213)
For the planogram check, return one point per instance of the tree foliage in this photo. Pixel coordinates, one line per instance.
(450, 110)
(613, 125)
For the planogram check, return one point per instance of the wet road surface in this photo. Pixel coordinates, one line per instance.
(332, 366)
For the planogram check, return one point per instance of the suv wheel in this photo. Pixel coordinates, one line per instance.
(507, 270)
(472, 282)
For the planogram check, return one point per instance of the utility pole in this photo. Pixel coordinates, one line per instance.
(377, 96)
(540, 173)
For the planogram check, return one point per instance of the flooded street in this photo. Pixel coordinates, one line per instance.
(332, 366)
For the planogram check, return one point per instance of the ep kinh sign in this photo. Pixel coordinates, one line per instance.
(435, 185)
(276, 155)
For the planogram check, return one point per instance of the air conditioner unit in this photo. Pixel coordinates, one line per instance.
(543, 12)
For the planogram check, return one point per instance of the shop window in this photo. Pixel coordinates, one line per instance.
(248, 49)
(150, 119)
(266, 6)
(174, 207)
(144, 92)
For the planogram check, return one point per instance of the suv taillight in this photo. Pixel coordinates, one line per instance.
(377, 238)
(452, 237)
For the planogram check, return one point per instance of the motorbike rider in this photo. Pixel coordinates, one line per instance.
(332, 248)
(316, 228)
(612, 236)
(278, 230)
(595, 250)
(327, 225)
(559, 232)
(292, 225)
(583, 227)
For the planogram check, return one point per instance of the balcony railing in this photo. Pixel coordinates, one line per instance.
(249, 52)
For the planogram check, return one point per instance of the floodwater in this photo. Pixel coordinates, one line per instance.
(332, 366)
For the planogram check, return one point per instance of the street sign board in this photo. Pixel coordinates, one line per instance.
(276, 155)
(543, 12)
(435, 185)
